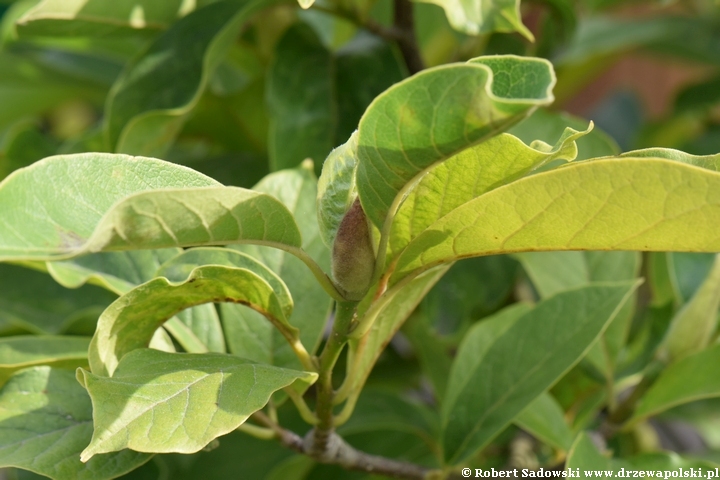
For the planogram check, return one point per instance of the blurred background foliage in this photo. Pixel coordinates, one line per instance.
(173, 79)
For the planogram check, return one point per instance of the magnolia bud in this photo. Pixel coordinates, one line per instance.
(353, 258)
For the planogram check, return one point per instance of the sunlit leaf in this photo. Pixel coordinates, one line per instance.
(484, 16)
(175, 402)
(609, 204)
(436, 114)
(98, 202)
(95, 17)
(130, 321)
(472, 173)
(548, 126)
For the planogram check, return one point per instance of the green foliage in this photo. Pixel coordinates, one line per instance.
(474, 280)
(472, 416)
(162, 396)
(47, 420)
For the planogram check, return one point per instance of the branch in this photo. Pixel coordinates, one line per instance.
(340, 453)
(391, 34)
(404, 21)
(402, 31)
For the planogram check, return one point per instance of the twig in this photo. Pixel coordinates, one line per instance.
(344, 315)
(390, 34)
(404, 21)
(402, 31)
(289, 439)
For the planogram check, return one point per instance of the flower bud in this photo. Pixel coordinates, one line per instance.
(353, 257)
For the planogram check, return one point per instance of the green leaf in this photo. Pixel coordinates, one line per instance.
(174, 402)
(387, 316)
(437, 113)
(547, 126)
(667, 461)
(336, 190)
(553, 272)
(130, 321)
(585, 456)
(30, 301)
(205, 326)
(96, 17)
(196, 329)
(300, 99)
(162, 341)
(470, 290)
(202, 331)
(545, 420)
(382, 410)
(118, 272)
(78, 212)
(249, 334)
(256, 459)
(74, 199)
(46, 421)
(316, 96)
(686, 272)
(694, 324)
(432, 354)
(28, 89)
(484, 16)
(198, 216)
(691, 378)
(20, 352)
(608, 204)
(690, 38)
(22, 144)
(181, 268)
(606, 267)
(711, 162)
(523, 351)
(661, 286)
(149, 102)
(472, 173)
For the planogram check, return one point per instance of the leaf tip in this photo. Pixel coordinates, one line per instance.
(87, 454)
(80, 377)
